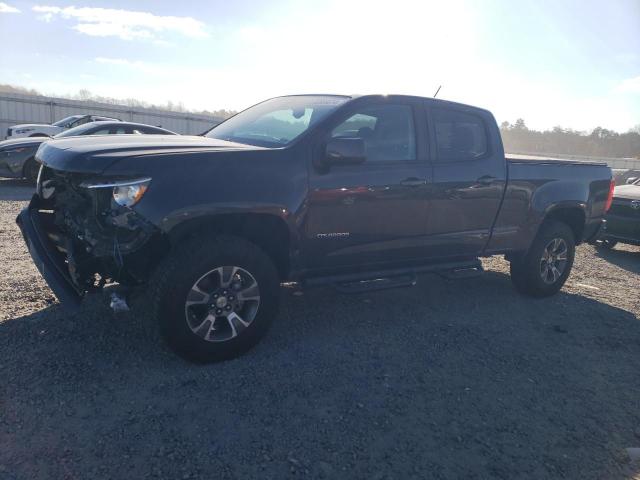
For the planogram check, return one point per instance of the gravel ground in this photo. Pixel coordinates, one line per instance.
(449, 379)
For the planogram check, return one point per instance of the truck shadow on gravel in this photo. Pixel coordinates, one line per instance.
(13, 189)
(629, 260)
(445, 380)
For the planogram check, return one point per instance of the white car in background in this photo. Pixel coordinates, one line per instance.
(44, 130)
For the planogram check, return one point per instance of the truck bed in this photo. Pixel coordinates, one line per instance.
(515, 158)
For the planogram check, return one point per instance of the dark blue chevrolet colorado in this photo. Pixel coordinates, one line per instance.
(358, 192)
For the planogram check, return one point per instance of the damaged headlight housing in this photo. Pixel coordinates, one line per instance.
(129, 195)
(126, 193)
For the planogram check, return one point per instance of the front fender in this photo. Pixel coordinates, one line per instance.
(178, 222)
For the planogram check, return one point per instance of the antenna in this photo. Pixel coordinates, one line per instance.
(436, 94)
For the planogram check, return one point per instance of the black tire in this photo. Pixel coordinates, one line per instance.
(606, 244)
(184, 269)
(30, 170)
(530, 273)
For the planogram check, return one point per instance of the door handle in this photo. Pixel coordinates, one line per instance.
(486, 180)
(413, 182)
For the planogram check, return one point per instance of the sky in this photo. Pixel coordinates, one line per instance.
(574, 63)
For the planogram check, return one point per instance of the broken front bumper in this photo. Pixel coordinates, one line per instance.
(50, 262)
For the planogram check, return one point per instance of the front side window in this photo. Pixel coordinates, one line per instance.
(387, 131)
(80, 121)
(459, 135)
(276, 122)
(65, 122)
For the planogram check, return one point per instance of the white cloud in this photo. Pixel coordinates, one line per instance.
(388, 50)
(630, 85)
(123, 62)
(4, 8)
(124, 24)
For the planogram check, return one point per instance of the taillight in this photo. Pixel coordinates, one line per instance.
(607, 205)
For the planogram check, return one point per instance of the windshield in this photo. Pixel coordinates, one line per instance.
(65, 121)
(276, 122)
(79, 130)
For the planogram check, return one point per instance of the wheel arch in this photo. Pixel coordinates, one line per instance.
(572, 214)
(269, 232)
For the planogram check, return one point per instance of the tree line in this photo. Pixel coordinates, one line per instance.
(600, 142)
(87, 95)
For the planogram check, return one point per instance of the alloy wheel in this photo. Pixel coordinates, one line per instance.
(222, 303)
(554, 261)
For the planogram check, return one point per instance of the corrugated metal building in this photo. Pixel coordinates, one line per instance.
(18, 108)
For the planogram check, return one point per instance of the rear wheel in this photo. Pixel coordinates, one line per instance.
(546, 266)
(215, 299)
(30, 170)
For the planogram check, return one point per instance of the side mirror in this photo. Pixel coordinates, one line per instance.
(345, 151)
(630, 180)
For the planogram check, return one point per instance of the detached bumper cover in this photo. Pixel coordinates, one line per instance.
(49, 261)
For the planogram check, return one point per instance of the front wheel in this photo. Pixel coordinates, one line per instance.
(30, 170)
(546, 266)
(215, 298)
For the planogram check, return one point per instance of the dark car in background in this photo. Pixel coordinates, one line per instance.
(46, 130)
(17, 156)
(623, 219)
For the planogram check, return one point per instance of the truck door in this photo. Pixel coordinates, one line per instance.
(374, 212)
(469, 177)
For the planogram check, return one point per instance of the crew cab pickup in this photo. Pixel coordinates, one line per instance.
(356, 192)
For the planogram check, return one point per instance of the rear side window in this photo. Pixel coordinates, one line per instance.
(149, 131)
(459, 135)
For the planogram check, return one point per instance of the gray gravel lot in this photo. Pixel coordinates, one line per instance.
(449, 379)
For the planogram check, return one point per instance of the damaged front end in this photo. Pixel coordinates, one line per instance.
(82, 232)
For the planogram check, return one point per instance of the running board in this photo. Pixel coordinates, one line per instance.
(467, 272)
(376, 284)
(396, 278)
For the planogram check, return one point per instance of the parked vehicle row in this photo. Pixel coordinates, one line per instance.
(623, 219)
(46, 130)
(17, 156)
(355, 192)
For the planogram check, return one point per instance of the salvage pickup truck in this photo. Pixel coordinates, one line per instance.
(356, 192)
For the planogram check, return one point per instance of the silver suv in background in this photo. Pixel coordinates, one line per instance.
(45, 130)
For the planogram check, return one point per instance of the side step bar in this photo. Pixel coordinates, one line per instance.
(395, 278)
(376, 284)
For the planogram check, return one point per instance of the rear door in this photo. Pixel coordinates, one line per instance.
(469, 177)
(375, 212)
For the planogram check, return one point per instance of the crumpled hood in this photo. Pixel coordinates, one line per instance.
(628, 192)
(94, 154)
(22, 142)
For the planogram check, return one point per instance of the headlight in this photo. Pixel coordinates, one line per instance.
(129, 195)
(125, 192)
